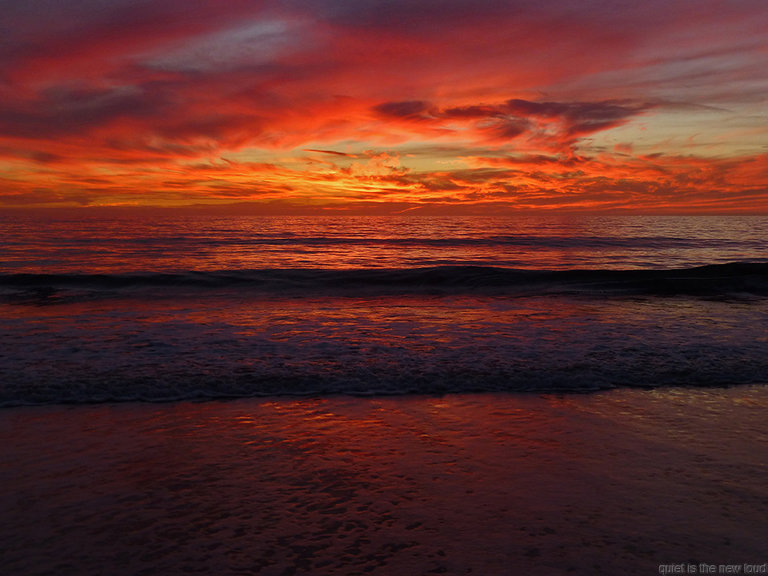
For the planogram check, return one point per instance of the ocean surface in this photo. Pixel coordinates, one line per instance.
(160, 308)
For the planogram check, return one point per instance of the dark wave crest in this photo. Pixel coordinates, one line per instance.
(713, 280)
(738, 278)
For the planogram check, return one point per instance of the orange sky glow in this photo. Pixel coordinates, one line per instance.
(392, 106)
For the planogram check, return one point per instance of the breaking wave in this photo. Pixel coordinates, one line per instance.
(719, 280)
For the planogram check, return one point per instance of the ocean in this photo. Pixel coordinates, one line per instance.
(342, 395)
(166, 307)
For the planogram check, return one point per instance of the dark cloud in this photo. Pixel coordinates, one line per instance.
(331, 152)
(511, 128)
(516, 117)
(407, 14)
(39, 156)
(64, 111)
(151, 117)
(580, 117)
(408, 109)
(218, 127)
(480, 111)
(528, 160)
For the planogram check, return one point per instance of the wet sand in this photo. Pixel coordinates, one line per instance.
(611, 483)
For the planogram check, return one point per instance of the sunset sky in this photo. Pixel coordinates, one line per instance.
(386, 106)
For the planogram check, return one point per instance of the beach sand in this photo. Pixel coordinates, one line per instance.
(618, 483)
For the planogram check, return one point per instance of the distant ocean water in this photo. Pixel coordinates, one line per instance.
(147, 308)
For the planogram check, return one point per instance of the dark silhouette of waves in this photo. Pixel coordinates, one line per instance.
(717, 280)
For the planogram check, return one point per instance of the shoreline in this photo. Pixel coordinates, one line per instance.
(614, 482)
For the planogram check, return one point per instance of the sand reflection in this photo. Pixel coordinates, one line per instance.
(607, 483)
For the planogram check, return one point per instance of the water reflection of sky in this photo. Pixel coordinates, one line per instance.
(536, 242)
(239, 345)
